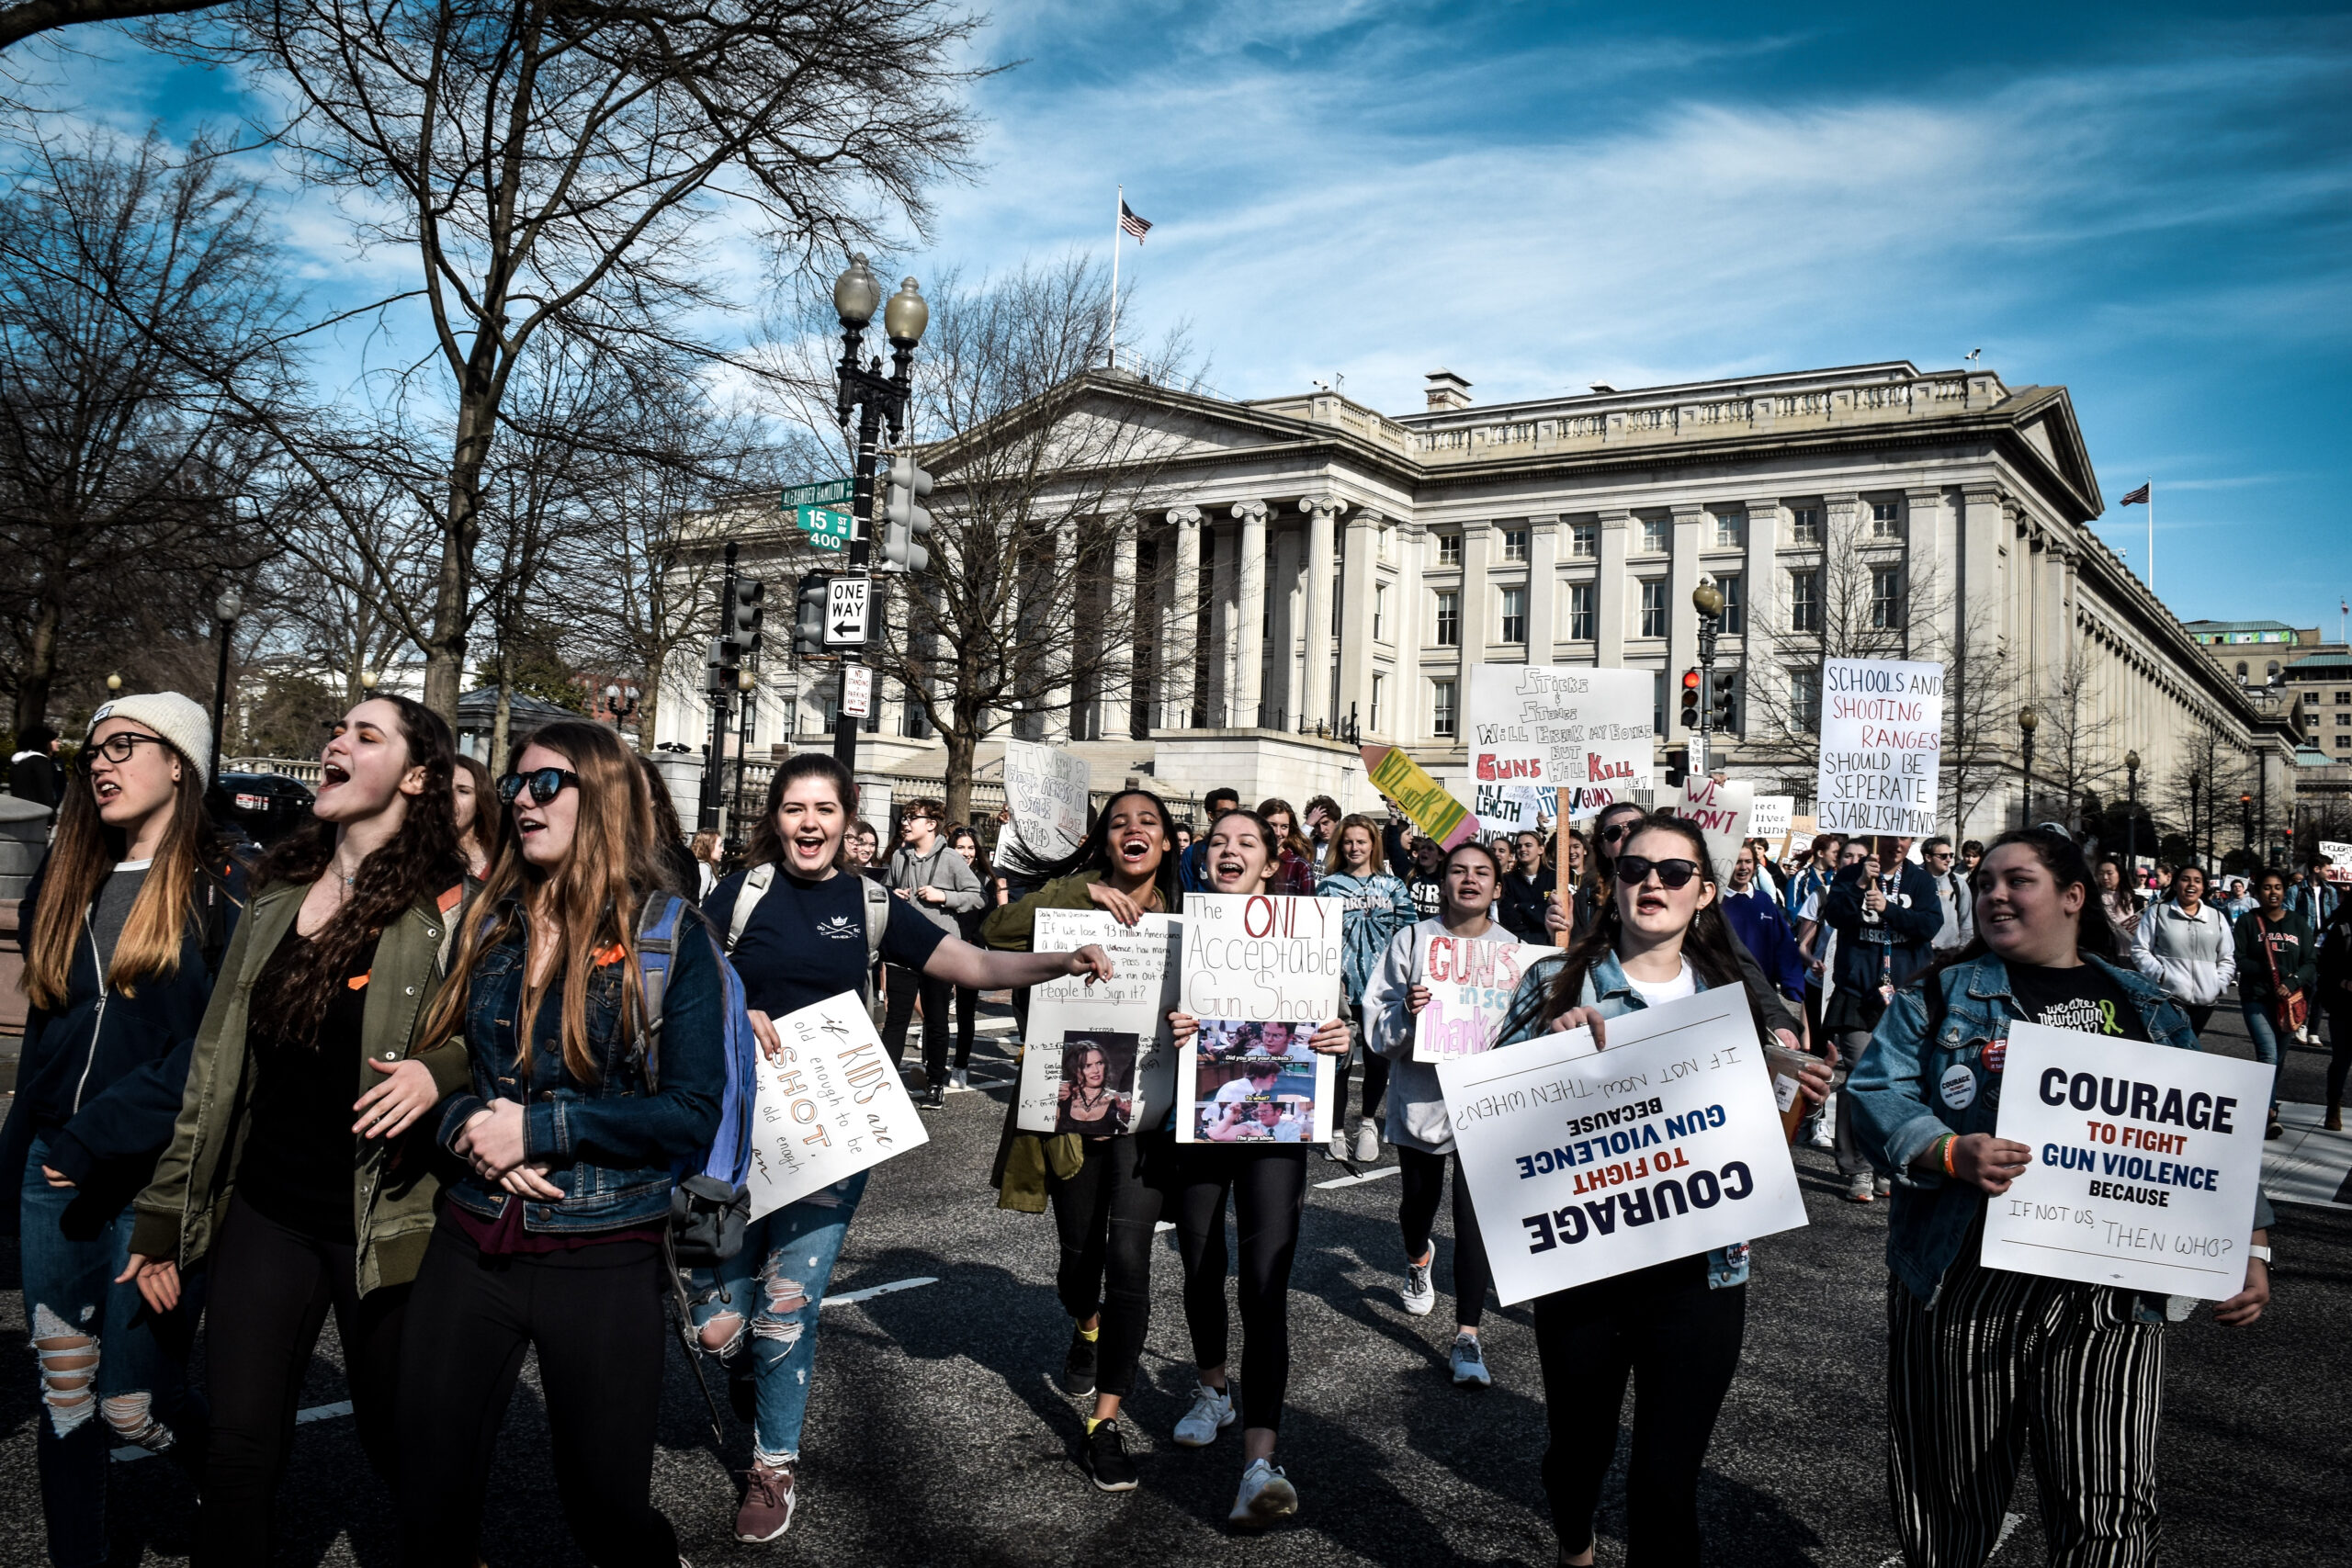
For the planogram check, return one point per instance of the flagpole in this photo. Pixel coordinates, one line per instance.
(2151, 483)
(1118, 212)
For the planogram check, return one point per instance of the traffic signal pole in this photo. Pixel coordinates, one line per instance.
(719, 691)
(861, 548)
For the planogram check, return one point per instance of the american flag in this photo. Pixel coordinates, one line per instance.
(1134, 225)
(2137, 498)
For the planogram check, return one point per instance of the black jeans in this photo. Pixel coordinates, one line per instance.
(271, 1289)
(906, 985)
(1107, 1215)
(1680, 1341)
(967, 1023)
(1376, 1073)
(2198, 1017)
(2339, 1046)
(1269, 1187)
(1424, 1175)
(594, 1316)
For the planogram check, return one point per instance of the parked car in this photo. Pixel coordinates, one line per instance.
(266, 806)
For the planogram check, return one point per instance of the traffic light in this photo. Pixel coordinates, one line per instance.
(744, 615)
(809, 614)
(1726, 703)
(905, 523)
(719, 667)
(1689, 699)
(1678, 766)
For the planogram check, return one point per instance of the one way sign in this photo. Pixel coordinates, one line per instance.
(846, 612)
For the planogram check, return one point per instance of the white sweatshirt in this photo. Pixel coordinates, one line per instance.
(2193, 959)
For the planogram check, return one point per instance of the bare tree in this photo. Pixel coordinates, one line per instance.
(2203, 785)
(560, 171)
(29, 17)
(1982, 688)
(2076, 759)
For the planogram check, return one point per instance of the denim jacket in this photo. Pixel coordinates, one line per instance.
(610, 1144)
(1608, 992)
(1896, 1118)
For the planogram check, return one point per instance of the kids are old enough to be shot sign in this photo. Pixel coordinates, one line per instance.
(2145, 1162)
(830, 1104)
(1259, 972)
(1587, 1164)
(1881, 736)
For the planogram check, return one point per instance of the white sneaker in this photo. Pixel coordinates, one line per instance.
(1420, 1296)
(1266, 1495)
(963, 1078)
(1211, 1413)
(1469, 1363)
(1367, 1143)
(1883, 1186)
(1339, 1146)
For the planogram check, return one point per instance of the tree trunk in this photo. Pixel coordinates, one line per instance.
(445, 651)
(648, 708)
(958, 777)
(501, 724)
(40, 664)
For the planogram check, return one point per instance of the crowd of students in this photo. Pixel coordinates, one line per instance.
(436, 1061)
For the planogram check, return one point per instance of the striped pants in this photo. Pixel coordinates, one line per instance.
(2006, 1363)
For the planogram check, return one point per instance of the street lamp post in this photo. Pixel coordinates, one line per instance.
(2027, 721)
(2245, 828)
(1708, 600)
(879, 402)
(225, 611)
(2131, 814)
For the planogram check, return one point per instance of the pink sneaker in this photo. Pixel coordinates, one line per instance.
(767, 1512)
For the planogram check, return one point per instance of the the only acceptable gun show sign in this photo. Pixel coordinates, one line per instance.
(1261, 972)
(1583, 1164)
(1882, 736)
(829, 1105)
(1125, 1073)
(2145, 1162)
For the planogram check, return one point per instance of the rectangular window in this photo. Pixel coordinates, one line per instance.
(1735, 606)
(1655, 536)
(1379, 698)
(1584, 541)
(1448, 549)
(1441, 709)
(1380, 612)
(1654, 609)
(1804, 601)
(1337, 602)
(1449, 620)
(1728, 531)
(1514, 544)
(1515, 615)
(1804, 696)
(1583, 600)
(1886, 597)
(1804, 524)
(1886, 520)
(2342, 698)
(2343, 719)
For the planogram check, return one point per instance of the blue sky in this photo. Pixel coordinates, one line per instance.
(2149, 203)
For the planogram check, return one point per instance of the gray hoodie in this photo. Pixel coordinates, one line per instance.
(1417, 1118)
(2195, 960)
(945, 869)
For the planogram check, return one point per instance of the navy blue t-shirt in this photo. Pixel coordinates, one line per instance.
(806, 939)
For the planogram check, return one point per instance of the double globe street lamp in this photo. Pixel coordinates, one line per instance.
(1708, 600)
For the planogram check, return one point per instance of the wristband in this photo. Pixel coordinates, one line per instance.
(1950, 1139)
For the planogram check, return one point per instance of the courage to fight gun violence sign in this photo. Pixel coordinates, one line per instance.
(1585, 1163)
(2145, 1162)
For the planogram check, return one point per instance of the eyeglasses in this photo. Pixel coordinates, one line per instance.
(545, 784)
(120, 747)
(1632, 871)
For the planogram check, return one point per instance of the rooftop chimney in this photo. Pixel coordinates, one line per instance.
(1448, 390)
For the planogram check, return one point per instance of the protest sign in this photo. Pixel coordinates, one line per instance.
(1771, 815)
(1424, 801)
(1798, 841)
(1044, 787)
(1881, 733)
(1470, 980)
(2145, 1162)
(1588, 734)
(829, 1105)
(2339, 860)
(1259, 972)
(1123, 1019)
(1514, 807)
(1720, 809)
(1587, 1164)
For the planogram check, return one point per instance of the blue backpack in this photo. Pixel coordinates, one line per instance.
(709, 1205)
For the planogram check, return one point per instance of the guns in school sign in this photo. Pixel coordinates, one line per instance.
(1470, 980)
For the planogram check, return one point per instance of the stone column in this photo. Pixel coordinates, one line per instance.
(1481, 618)
(1613, 590)
(1542, 585)
(1059, 719)
(1114, 694)
(1314, 668)
(1180, 653)
(1284, 589)
(1690, 524)
(1978, 558)
(1359, 571)
(1765, 589)
(1248, 642)
(1224, 591)
(1927, 554)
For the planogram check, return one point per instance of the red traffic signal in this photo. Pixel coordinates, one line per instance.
(1690, 680)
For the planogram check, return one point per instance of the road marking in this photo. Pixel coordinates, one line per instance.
(872, 1290)
(971, 1084)
(2306, 1164)
(1362, 1177)
(315, 1413)
(1163, 1226)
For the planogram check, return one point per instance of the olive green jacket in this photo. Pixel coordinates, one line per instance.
(392, 1185)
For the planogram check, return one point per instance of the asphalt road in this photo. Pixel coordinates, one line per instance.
(936, 1434)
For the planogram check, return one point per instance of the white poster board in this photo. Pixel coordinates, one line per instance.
(829, 1105)
(2338, 858)
(1587, 1164)
(1121, 1023)
(1514, 808)
(1045, 788)
(1470, 981)
(1260, 971)
(2145, 1162)
(1882, 734)
(1769, 816)
(1720, 808)
(1588, 734)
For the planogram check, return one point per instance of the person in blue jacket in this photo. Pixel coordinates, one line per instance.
(123, 929)
(1379, 905)
(1756, 918)
(1886, 913)
(1982, 1362)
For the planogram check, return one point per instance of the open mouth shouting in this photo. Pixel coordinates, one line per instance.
(1134, 849)
(332, 775)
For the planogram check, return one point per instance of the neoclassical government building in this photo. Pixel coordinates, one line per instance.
(1347, 565)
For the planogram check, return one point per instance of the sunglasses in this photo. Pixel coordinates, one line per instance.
(1632, 871)
(545, 784)
(1611, 835)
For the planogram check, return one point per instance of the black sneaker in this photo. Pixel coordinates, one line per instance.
(935, 1098)
(1107, 1460)
(1078, 1367)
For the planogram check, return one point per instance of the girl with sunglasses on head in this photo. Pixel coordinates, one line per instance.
(1674, 1329)
(1417, 1123)
(1981, 1359)
(1267, 1182)
(301, 1174)
(552, 1239)
(1379, 905)
(1107, 1192)
(801, 927)
(125, 925)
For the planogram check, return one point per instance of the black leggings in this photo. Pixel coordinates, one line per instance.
(1680, 1341)
(595, 1315)
(905, 985)
(2197, 1018)
(1269, 1187)
(967, 1023)
(1107, 1215)
(270, 1291)
(2339, 1045)
(1376, 1075)
(1424, 1176)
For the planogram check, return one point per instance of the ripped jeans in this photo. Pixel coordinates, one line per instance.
(112, 1374)
(781, 1276)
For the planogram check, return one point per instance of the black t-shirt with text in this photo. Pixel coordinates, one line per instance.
(2086, 998)
(806, 939)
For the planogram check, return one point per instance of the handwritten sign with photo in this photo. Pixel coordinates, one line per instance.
(1133, 1004)
(1261, 972)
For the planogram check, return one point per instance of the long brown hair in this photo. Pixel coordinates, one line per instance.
(84, 855)
(592, 897)
(1295, 841)
(416, 865)
(1707, 944)
(489, 816)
